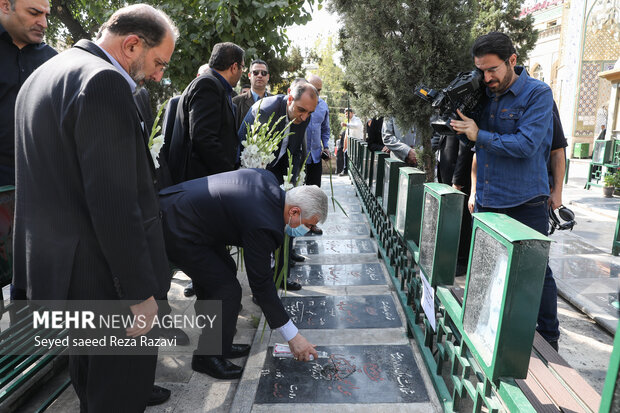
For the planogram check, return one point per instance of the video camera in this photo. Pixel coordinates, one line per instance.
(463, 93)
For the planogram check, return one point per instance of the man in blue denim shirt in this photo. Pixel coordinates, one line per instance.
(513, 143)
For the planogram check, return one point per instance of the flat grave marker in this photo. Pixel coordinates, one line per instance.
(336, 312)
(351, 374)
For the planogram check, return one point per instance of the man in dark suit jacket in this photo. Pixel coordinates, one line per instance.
(204, 140)
(259, 78)
(297, 107)
(246, 208)
(87, 221)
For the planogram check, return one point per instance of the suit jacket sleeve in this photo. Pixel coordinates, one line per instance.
(108, 136)
(325, 130)
(257, 248)
(249, 119)
(205, 117)
(400, 149)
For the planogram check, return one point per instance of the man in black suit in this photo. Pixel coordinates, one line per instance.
(204, 141)
(259, 78)
(297, 107)
(246, 208)
(87, 221)
(22, 27)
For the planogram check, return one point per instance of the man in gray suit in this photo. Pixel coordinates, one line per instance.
(87, 220)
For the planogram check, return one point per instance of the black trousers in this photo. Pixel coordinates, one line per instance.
(313, 173)
(214, 274)
(106, 384)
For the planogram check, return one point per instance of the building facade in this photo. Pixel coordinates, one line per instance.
(577, 40)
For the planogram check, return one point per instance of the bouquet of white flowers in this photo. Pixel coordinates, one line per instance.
(261, 142)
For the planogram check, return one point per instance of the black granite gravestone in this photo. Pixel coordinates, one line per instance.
(336, 312)
(345, 229)
(330, 247)
(333, 274)
(351, 374)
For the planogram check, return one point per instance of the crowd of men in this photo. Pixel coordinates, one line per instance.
(94, 220)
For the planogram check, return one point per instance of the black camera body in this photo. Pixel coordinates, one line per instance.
(463, 93)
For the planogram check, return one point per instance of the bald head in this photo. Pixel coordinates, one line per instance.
(148, 23)
(316, 81)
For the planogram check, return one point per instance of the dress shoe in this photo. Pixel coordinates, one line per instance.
(158, 396)
(316, 230)
(239, 350)
(296, 257)
(343, 173)
(291, 286)
(216, 366)
(174, 333)
(189, 290)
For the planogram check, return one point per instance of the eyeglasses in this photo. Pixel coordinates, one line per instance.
(493, 69)
(260, 72)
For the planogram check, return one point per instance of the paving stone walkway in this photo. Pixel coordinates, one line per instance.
(348, 309)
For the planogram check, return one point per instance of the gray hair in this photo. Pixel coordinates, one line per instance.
(203, 69)
(311, 199)
(146, 22)
(301, 86)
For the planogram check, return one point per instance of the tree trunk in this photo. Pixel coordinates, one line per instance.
(61, 10)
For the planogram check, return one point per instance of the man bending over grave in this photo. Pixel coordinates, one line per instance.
(246, 208)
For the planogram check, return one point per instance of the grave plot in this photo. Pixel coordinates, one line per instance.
(338, 312)
(351, 274)
(330, 247)
(351, 374)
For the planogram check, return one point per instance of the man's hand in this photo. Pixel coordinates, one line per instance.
(145, 313)
(325, 154)
(555, 200)
(457, 187)
(385, 149)
(344, 123)
(301, 348)
(466, 126)
(471, 203)
(411, 158)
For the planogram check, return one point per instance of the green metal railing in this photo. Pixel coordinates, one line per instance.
(453, 363)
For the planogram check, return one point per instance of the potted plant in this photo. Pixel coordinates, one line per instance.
(609, 184)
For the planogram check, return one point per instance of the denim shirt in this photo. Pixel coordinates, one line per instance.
(317, 134)
(513, 145)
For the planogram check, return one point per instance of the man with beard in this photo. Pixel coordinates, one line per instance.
(87, 220)
(513, 137)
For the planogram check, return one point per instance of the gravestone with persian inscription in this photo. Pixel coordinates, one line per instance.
(331, 247)
(334, 274)
(351, 374)
(338, 312)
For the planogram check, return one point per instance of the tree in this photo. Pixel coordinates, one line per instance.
(389, 48)
(332, 76)
(504, 16)
(255, 25)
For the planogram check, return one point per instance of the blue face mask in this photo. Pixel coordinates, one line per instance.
(299, 231)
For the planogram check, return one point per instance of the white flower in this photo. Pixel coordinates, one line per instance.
(156, 145)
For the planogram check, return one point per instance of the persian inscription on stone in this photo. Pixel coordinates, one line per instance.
(334, 246)
(332, 274)
(334, 312)
(351, 374)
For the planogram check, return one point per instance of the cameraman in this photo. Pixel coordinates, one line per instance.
(512, 145)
